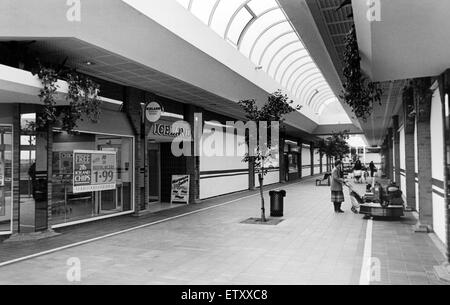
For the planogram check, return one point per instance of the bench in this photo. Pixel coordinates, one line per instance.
(326, 178)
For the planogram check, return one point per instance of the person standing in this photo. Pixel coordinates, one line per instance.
(337, 190)
(372, 168)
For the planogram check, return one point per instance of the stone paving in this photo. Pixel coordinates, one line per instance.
(312, 245)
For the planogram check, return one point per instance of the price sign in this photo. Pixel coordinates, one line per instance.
(94, 171)
(2, 173)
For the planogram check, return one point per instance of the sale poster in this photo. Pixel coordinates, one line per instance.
(94, 171)
(2, 173)
(180, 189)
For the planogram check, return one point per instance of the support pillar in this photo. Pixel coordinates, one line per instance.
(193, 161)
(423, 109)
(282, 159)
(132, 107)
(396, 138)
(312, 157)
(390, 174)
(16, 170)
(300, 159)
(410, 157)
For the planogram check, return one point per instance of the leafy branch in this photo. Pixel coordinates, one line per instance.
(359, 93)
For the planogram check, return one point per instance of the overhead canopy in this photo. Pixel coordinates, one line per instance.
(260, 30)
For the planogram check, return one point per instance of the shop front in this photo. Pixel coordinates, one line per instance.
(292, 157)
(66, 179)
(6, 179)
(164, 168)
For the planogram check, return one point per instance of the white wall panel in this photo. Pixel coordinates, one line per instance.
(437, 159)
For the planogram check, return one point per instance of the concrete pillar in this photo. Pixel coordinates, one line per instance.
(423, 111)
(282, 159)
(390, 173)
(193, 162)
(16, 169)
(396, 149)
(410, 163)
(132, 107)
(300, 159)
(312, 158)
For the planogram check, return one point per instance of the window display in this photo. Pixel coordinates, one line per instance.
(5, 178)
(92, 176)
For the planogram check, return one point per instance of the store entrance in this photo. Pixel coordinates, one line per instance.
(154, 165)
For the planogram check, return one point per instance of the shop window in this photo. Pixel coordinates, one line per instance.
(5, 178)
(100, 183)
(293, 163)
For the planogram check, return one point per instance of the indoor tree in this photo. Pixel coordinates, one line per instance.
(271, 113)
(336, 145)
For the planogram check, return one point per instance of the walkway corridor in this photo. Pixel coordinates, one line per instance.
(311, 246)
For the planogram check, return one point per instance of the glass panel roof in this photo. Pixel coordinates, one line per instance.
(260, 30)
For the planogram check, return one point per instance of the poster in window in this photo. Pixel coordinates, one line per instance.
(180, 189)
(94, 171)
(2, 173)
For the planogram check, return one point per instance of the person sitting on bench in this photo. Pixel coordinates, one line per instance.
(326, 178)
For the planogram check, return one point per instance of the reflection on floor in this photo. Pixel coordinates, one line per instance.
(27, 214)
(159, 206)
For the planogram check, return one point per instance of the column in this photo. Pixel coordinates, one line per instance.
(396, 149)
(16, 169)
(282, 159)
(193, 161)
(390, 174)
(132, 107)
(424, 157)
(410, 163)
(311, 149)
(300, 159)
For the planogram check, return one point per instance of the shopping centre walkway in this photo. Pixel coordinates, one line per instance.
(211, 246)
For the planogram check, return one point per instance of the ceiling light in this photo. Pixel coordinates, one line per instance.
(89, 63)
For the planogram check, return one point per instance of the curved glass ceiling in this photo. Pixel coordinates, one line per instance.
(260, 30)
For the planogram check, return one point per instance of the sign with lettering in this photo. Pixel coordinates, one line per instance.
(167, 131)
(153, 112)
(180, 189)
(94, 171)
(2, 173)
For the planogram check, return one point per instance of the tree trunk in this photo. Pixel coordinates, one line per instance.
(261, 192)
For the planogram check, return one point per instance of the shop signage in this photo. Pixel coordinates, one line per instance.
(167, 131)
(94, 171)
(180, 189)
(153, 112)
(2, 173)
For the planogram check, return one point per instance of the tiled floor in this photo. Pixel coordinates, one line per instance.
(312, 246)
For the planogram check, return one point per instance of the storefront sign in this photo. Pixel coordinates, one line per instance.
(94, 171)
(167, 131)
(153, 112)
(180, 189)
(2, 173)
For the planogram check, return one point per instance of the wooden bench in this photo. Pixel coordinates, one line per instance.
(326, 178)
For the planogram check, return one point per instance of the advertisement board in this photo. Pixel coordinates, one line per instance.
(94, 171)
(180, 189)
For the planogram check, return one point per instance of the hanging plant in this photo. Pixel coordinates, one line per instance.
(420, 89)
(82, 98)
(359, 93)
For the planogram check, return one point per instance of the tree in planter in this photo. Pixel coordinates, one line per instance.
(265, 117)
(336, 145)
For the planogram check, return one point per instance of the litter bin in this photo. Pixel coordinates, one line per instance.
(277, 203)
